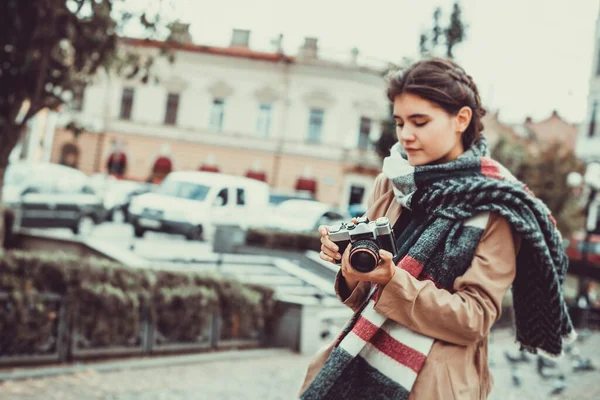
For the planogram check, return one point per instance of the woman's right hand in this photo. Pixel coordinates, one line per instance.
(329, 250)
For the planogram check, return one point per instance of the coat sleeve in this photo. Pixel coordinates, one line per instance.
(355, 299)
(466, 315)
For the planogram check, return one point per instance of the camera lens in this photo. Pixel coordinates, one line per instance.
(364, 255)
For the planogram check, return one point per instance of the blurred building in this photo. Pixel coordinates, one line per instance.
(588, 140)
(301, 122)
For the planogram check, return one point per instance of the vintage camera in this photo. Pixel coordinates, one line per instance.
(366, 239)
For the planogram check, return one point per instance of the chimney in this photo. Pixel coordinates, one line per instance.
(179, 32)
(240, 38)
(310, 48)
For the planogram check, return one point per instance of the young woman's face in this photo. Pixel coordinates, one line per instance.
(428, 134)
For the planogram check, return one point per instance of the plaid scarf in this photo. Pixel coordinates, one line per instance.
(375, 355)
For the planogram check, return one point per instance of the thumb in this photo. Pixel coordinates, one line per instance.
(385, 255)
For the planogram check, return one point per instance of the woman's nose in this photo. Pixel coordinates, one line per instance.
(405, 135)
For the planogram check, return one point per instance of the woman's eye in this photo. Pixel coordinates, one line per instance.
(420, 124)
(399, 125)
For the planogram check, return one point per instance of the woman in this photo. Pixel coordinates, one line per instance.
(466, 231)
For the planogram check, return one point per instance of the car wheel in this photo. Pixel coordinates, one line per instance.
(196, 233)
(84, 226)
(138, 232)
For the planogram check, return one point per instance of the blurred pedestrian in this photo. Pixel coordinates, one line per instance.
(466, 231)
(116, 164)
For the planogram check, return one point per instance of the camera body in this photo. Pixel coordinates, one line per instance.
(367, 238)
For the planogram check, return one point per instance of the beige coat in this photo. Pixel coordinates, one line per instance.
(457, 365)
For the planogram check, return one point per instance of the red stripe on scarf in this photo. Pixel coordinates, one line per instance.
(389, 346)
(552, 220)
(490, 168)
(411, 266)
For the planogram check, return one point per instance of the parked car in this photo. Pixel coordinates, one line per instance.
(278, 197)
(45, 195)
(118, 195)
(192, 203)
(304, 216)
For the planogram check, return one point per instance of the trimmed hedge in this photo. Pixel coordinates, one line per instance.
(275, 239)
(105, 302)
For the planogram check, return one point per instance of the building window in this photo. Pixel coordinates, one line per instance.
(216, 115)
(315, 125)
(127, 103)
(263, 124)
(363, 133)
(172, 107)
(357, 193)
(78, 96)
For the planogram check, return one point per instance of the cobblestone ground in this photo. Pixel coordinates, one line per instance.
(278, 377)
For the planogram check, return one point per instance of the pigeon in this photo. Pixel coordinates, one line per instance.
(522, 357)
(559, 386)
(541, 369)
(516, 378)
(582, 365)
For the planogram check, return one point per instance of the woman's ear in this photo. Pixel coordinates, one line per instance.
(463, 118)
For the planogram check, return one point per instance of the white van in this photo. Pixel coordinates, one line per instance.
(191, 203)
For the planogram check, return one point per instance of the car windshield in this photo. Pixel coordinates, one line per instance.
(184, 190)
(16, 174)
(277, 198)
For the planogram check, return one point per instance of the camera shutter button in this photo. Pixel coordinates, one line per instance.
(382, 221)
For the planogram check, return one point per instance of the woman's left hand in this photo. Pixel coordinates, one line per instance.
(381, 275)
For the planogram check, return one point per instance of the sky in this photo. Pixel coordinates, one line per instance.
(528, 57)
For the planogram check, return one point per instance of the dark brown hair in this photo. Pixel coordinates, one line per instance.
(444, 83)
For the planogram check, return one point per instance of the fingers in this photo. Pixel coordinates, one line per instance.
(385, 255)
(323, 230)
(346, 268)
(328, 247)
(326, 257)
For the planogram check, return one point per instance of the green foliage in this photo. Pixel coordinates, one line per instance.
(106, 302)
(546, 176)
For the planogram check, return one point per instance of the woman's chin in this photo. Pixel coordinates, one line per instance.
(415, 161)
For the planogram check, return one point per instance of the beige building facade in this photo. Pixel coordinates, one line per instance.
(239, 110)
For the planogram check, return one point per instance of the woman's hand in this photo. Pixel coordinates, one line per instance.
(381, 275)
(329, 250)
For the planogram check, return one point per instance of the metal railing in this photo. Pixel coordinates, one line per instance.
(67, 342)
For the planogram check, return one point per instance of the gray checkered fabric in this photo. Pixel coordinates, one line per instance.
(452, 192)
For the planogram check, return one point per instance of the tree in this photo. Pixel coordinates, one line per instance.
(48, 48)
(388, 136)
(545, 174)
(456, 31)
(453, 34)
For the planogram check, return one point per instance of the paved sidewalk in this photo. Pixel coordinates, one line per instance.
(278, 377)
